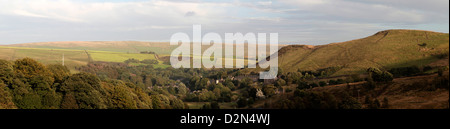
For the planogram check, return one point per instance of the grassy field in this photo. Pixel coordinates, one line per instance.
(118, 56)
(161, 48)
(72, 58)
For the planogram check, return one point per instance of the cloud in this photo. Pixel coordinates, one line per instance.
(373, 11)
(190, 13)
(265, 3)
(302, 21)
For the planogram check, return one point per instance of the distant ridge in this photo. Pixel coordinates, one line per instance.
(385, 49)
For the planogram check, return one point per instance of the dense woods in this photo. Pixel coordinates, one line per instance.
(28, 84)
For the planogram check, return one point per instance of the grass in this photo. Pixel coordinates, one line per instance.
(159, 65)
(110, 46)
(386, 50)
(117, 56)
(72, 58)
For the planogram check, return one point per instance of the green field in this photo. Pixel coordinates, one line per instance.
(72, 58)
(161, 48)
(117, 56)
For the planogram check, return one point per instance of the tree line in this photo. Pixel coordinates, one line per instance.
(28, 84)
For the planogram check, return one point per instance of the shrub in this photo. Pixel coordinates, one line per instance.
(150, 61)
(380, 76)
(242, 102)
(322, 83)
(132, 60)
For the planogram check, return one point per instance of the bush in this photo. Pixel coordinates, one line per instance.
(406, 71)
(322, 83)
(314, 85)
(242, 102)
(150, 61)
(380, 76)
(332, 82)
(302, 85)
(340, 81)
(215, 105)
(132, 60)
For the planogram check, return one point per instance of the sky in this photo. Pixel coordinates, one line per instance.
(311, 22)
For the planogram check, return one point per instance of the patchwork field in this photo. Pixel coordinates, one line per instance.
(72, 58)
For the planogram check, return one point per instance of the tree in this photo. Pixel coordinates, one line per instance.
(269, 90)
(242, 102)
(380, 76)
(206, 106)
(313, 85)
(387, 77)
(148, 81)
(58, 72)
(377, 104)
(6, 101)
(349, 102)
(156, 102)
(69, 102)
(385, 103)
(441, 70)
(176, 103)
(32, 89)
(132, 60)
(332, 82)
(322, 83)
(121, 98)
(29, 68)
(246, 82)
(6, 70)
(340, 81)
(215, 105)
(145, 102)
(302, 85)
(229, 84)
(150, 61)
(280, 82)
(86, 90)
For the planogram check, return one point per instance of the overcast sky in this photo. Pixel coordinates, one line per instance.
(311, 22)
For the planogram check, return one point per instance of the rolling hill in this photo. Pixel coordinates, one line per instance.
(385, 49)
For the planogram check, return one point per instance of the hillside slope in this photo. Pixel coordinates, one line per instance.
(386, 49)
